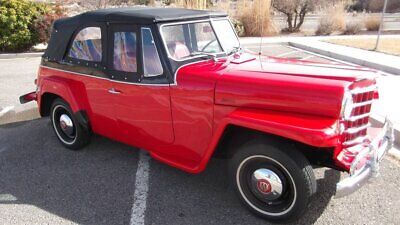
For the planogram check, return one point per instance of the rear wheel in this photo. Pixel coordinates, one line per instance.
(274, 182)
(70, 133)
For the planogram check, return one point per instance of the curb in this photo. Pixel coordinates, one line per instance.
(20, 113)
(348, 58)
(21, 55)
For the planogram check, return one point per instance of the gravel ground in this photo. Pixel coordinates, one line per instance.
(43, 183)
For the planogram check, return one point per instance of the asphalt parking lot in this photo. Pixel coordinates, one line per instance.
(44, 183)
(41, 182)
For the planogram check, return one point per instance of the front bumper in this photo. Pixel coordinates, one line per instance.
(374, 152)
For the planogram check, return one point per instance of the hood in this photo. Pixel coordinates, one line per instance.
(287, 84)
(294, 67)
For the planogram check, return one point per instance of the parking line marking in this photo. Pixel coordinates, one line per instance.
(5, 110)
(286, 53)
(307, 57)
(141, 189)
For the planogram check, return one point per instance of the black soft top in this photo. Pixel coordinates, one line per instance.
(141, 15)
(63, 29)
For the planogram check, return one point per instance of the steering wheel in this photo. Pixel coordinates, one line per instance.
(208, 44)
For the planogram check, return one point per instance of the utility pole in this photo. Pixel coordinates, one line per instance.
(381, 25)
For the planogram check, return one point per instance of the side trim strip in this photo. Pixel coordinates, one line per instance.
(87, 75)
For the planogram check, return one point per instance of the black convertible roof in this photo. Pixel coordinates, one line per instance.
(63, 29)
(141, 15)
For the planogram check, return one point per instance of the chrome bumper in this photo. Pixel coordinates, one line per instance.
(375, 150)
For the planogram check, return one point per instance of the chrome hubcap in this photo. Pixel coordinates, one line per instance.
(66, 125)
(266, 184)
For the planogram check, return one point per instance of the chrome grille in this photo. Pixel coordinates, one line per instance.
(356, 126)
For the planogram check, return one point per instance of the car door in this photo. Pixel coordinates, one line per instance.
(141, 91)
(86, 57)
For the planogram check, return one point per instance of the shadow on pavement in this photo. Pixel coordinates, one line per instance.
(92, 186)
(179, 198)
(96, 185)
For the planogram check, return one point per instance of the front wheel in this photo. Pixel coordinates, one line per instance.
(274, 182)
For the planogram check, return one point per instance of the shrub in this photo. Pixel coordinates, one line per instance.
(16, 17)
(295, 12)
(256, 19)
(372, 23)
(43, 24)
(334, 20)
(238, 25)
(353, 27)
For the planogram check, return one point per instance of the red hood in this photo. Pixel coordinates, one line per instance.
(294, 67)
(287, 84)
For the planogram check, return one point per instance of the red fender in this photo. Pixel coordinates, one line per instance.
(311, 130)
(63, 87)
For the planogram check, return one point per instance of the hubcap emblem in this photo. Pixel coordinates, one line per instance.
(63, 125)
(263, 186)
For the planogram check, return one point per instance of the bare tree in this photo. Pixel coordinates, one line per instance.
(295, 11)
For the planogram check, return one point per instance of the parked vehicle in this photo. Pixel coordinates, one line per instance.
(177, 83)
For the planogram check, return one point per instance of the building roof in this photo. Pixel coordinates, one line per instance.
(140, 15)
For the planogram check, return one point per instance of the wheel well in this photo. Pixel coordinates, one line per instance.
(235, 136)
(45, 103)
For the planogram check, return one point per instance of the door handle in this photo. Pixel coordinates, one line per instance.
(113, 91)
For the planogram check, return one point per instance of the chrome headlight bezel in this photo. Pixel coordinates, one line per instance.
(347, 106)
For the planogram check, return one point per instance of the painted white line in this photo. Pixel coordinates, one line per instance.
(307, 57)
(5, 110)
(141, 189)
(255, 45)
(322, 56)
(333, 59)
(286, 53)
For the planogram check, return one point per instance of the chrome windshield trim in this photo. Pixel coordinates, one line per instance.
(190, 22)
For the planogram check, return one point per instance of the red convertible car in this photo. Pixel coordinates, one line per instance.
(177, 83)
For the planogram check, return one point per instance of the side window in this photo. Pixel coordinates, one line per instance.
(87, 45)
(124, 58)
(151, 60)
(174, 37)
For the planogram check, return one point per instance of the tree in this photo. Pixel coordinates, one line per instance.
(295, 11)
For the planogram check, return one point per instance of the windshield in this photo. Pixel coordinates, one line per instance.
(186, 40)
(225, 32)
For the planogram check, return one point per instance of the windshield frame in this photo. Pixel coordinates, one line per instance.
(233, 28)
(191, 22)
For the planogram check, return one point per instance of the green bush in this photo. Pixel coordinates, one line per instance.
(42, 26)
(16, 19)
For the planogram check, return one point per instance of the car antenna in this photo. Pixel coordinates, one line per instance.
(261, 33)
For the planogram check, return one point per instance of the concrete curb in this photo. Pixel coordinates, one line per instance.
(19, 113)
(346, 57)
(21, 55)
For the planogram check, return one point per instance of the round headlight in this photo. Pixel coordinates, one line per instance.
(347, 106)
